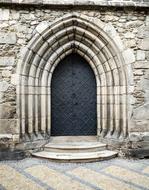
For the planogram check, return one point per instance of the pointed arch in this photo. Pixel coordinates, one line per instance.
(103, 50)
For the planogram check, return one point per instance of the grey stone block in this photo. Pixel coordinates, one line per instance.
(140, 55)
(8, 38)
(8, 126)
(145, 136)
(139, 152)
(135, 137)
(146, 96)
(141, 65)
(8, 154)
(143, 32)
(141, 113)
(144, 44)
(139, 125)
(133, 24)
(138, 136)
(129, 56)
(7, 111)
(42, 26)
(4, 86)
(145, 84)
(147, 21)
(4, 14)
(6, 61)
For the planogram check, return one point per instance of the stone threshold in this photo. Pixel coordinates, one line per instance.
(57, 139)
(118, 3)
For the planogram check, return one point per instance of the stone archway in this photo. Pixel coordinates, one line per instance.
(96, 42)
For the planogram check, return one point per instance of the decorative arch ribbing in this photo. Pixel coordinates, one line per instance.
(102, 49)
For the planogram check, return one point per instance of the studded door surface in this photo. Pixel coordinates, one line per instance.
(73, 98)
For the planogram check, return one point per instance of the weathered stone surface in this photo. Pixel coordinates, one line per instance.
(144, 82)
(141, 65)
(6, 73)
(4, 14)
(131, 43)
(42, 26)
(7, 111)
(8, 38)
(29, 16)
(4, 86)
(15, 14)
(136, 136)
(21, 29)
(147, 21)
(1, 97)
(143, 32)
(111, 18)
(139, 126)
(129, 35)
(129, 56)
(3, 25)
(8, 154)
(132, 24)
(8, 126)
(141, 113)
(140, 55)
(14, 79)
(119, 3)
(144, 44)
(110, 29)
(125, 29)
(6, 61)
(147, 55)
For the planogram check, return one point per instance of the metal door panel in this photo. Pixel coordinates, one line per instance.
(73, 98)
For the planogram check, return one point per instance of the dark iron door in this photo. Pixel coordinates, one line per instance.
(73, 98)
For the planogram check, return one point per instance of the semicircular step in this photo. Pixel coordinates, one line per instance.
(77, 157)
(75, 147)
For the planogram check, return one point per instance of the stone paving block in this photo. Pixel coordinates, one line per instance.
(13, 180)
(128, 175)
(55, 179)
(100, 180)
(67, 176)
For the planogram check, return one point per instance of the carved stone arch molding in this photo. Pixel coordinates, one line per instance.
(101, 46)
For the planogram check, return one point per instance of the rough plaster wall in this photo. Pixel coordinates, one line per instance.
(16, 29)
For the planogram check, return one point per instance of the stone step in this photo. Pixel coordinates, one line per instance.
(65, 139)
(77, 157)
(75, 147)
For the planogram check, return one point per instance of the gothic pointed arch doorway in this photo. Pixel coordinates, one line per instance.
(96, 42)
(73, 98)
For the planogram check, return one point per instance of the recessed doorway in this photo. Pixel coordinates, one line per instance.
(73, 99)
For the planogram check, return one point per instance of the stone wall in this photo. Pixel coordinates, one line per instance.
(17, 26)
(120, 3)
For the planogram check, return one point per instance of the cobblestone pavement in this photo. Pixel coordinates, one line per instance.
(39, 174)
